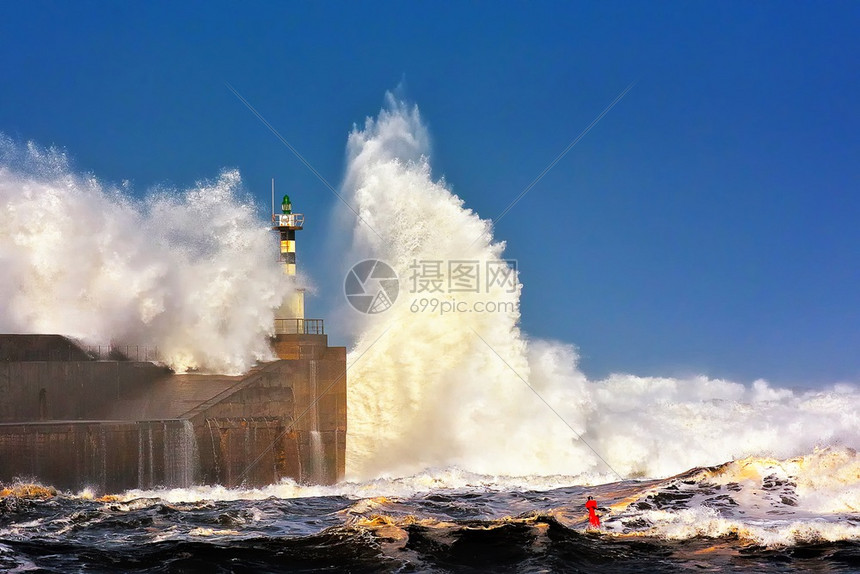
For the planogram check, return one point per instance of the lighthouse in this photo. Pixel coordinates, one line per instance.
(316, 381)
(289, 317)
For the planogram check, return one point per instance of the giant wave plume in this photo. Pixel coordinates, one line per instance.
(471, 390)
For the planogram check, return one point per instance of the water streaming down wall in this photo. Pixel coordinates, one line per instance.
(318, 470)
(181, 459)
(174, 442)
(316, 441)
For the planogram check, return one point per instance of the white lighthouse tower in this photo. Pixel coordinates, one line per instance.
(290, 316)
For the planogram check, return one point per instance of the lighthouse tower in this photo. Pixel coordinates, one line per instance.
(317, 372)
(289, 318)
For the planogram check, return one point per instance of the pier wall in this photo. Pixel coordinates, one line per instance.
(115, 425)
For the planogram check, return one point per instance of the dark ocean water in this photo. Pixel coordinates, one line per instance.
(747, 516)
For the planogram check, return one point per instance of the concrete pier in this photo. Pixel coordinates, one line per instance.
(73, 422)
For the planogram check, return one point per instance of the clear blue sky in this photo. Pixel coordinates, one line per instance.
(708, 224)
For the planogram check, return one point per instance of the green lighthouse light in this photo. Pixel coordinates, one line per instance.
(286, 206)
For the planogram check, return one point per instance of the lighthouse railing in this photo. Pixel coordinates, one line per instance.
(288, 219)
(299, 327)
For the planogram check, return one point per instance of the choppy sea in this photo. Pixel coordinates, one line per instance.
(749, 515)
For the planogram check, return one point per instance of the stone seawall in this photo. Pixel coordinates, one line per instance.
(115, 425)
(102, 456)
